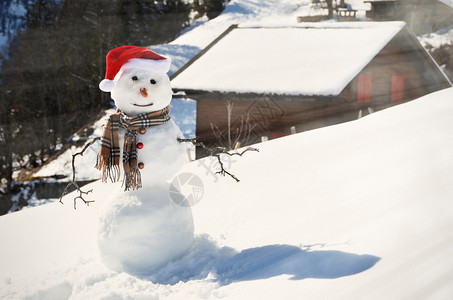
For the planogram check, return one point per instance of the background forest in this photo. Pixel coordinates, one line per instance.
(51, 71)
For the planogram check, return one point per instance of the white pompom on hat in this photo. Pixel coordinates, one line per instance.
(134, 57)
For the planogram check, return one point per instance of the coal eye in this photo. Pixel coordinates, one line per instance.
(153, 81)
(134, 78)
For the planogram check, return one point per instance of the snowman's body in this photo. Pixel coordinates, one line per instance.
(162, 155)
(140, 230)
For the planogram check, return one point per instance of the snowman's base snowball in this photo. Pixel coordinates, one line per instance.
(139, 231)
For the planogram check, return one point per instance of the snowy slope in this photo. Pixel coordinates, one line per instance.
(360, 210)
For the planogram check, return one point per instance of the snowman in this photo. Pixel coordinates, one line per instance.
(140, 227)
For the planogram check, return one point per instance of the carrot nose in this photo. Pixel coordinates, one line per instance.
(143, 92)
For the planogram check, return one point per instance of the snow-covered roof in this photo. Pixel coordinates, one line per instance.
(368, 1)
(290, 60)
(447, 2)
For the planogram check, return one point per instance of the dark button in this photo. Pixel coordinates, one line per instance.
(140, 145)
(141, 165)
(142, 130)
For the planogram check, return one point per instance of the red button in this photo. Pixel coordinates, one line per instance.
(140, 145)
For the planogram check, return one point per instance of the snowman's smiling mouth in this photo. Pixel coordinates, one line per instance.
(143, 105)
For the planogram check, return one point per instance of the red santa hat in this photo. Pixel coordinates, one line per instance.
(134, 57)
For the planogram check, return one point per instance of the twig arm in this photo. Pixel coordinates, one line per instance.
(73, 182)
(81, 154)
(217, 151)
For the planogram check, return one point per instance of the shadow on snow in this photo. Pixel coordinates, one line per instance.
(226, 266)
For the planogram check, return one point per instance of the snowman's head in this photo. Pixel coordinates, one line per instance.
(141, 91)
(137, 79)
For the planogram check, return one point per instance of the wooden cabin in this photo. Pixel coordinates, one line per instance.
(253, 84)
(384, 10)
(421, 16)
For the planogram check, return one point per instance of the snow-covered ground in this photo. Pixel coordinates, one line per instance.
(437, 39)
(358, 210)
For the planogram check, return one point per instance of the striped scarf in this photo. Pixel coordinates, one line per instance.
(109, 151)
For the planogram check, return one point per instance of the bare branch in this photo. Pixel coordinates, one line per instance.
(217, 151)
(235, 132)
(73, 182)
(229, 107)
(217, 133)
(81, 154)
(223, 171)
(79, 77)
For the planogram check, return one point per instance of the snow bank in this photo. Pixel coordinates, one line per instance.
(437, 39)
(352, 211)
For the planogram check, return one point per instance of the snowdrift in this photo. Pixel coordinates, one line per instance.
(358, 210)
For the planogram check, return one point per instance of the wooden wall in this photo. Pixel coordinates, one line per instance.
(267, 117)
(402, 66)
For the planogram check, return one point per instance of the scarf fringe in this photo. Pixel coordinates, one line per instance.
(132, 180)
(107, 168)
